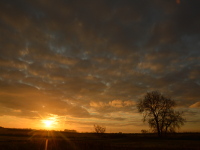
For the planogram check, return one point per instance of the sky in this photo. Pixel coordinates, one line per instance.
(71, 64)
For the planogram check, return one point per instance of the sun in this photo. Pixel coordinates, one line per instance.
(48, 123)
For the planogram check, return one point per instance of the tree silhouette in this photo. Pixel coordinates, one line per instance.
(99, 129)
(159, 111)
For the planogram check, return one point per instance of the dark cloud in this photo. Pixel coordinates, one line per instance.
(71, 57)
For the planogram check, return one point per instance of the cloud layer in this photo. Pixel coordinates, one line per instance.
(94, 59)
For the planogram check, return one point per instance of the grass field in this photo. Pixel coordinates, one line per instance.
(56, 140)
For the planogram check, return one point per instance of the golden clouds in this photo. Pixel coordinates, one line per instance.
(114, 103)
(195, 105)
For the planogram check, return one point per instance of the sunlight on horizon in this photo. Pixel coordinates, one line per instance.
(50, 123)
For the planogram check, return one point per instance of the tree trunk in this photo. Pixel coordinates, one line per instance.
(157, 123)
(157, 126)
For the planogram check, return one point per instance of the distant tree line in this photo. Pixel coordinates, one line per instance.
(70, 131)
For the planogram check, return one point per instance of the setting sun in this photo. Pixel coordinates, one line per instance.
(48, 123)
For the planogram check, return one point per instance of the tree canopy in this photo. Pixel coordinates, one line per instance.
(159, 111)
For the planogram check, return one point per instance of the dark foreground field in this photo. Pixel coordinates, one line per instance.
(55, 140)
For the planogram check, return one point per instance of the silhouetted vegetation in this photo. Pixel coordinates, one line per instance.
(70, 131)
(159, 111)
(99, 129)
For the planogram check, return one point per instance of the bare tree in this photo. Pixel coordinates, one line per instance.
(159, 111)
(99, 129)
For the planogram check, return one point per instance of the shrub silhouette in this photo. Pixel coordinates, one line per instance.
(99, 129)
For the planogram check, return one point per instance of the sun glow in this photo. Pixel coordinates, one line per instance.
(48, 123)
(51, 122)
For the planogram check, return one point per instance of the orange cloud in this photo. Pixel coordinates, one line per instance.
(195, 105)
(114, 103)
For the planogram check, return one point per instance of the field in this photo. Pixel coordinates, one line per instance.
(16, 139)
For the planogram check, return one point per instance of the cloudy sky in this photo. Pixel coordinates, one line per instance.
(84, 62)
